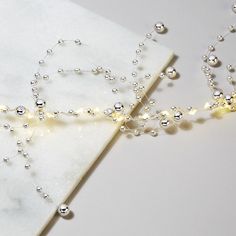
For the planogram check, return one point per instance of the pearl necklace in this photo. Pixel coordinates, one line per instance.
(118, 112)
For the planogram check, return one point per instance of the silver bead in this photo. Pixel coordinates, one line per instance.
(212, 60)
(20, 110)
(141, 44)
(6, 159)
(171, 72)
(204, 57)
(178, 116)
(164, 123)
(77, 70)
(78, 42)
(118, 106)
(122, 129)
(211, 48)
(60, 41)
(162, 75)
(40, 103)
(229, 67)
(234, 7)
(41, 62)
(148, 35)
(153, 133)
(108, 112)
(49, 51)
(220, 38)
(229, 99)
(231, 28)
(63, 210)
(60, 70)
(159, 27)
(217, 94)
(138, 51)
(37, 75)
(45, 77)
(123, 78)
(39, 189)
(115, 90)
(45, 195)
(27, 166)
(147, 76)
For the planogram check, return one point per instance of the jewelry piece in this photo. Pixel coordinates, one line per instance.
(150, 120)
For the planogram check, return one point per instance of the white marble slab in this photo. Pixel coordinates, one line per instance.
(61, 153)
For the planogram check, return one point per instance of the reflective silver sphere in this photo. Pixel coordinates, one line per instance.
(212, 60)
(63, 210)
(40, 103)
(171, 72)
(20, 110)
(159, 27)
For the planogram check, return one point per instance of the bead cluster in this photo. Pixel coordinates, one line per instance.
(148, 121)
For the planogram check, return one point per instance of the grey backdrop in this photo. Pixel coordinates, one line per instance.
(175, 185)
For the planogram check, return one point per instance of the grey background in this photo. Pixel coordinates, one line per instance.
(173, 185)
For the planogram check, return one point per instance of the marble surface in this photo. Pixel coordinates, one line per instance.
(62, 153)
(173, 185)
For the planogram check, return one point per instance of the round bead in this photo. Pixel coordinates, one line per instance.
(27, 166)
(220, 38)
(162, 75)
(229, 99)
(234, 7)
(217, 94)
(171, 72)
(60, 70)
(149, 36)
(6, 159)
(212, 60)
(153, 133)
(60, 41)
(49, 51)
(122, 129)
(40, 103)
(77, 70)
(231, 28)
(229, 67)
(63, 210)
(41, 62)
(159, 27)
(78, 42)
(108, 112)
(178, 116)
(164, 123)
(20, 110)
(211, 48)
(204, 57)
(119, 106)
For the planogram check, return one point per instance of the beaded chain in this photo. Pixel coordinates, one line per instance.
(118, 112)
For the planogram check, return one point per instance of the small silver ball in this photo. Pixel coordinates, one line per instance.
(20, 110)
(234, 7)
(40, 103)
(212, 60)
(178, 116)
(171, 72)
(63, 210)
(148, 35)
(229, 99)
(164, 123)
(118, 106)
(159, 27)
(217, 94)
